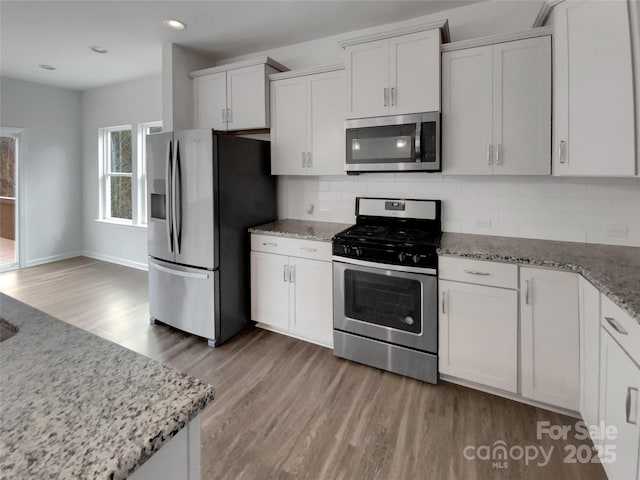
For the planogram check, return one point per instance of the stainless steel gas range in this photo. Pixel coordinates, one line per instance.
(385, 310)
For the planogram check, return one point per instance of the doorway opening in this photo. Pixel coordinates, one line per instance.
(9, 208)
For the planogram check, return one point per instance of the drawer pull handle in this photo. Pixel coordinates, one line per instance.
(526, 291)
(308, 249)
(616, 326)
(475, 272)
(628, 405)
(269, 244)
(287, 274)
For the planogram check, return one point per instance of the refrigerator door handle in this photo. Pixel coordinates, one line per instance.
(177, 198)
(168, 203)
(179, 273)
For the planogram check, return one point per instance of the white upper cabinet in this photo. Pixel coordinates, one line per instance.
(467, 100)
(594, 124)
(307, 124)
(496, 109)
(233, 97)
(550, 337)
(210, 101)
(288, 126)
(394, 76)
(247, 98)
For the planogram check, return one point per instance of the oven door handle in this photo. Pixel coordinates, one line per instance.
(385, 266)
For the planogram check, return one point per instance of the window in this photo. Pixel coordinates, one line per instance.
(123, 192)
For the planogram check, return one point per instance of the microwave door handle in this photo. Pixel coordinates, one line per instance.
(417, 142)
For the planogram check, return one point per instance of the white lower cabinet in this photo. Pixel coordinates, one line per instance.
(589, 305)
(550, 337)
(269, 289)
(619, 384)
(479, 334)
(291, 294)
(312, 297)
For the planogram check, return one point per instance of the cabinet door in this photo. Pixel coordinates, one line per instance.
(367, 70)
(550, 337)
(479, 334)
(467, 111)
(414, 74)
(210, 101)
(312, 300)
(269, 289)
(589, 350)
(326, 124)
(247, 98)
(594, 103)
(289, 126)
(522, 107)
(620, 408)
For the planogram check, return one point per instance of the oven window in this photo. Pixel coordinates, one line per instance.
(383, 300)
(386, 144)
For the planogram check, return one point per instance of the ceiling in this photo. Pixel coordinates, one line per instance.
(59, 33)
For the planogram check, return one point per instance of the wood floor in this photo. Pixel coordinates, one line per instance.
(7, 251)
(287, 409)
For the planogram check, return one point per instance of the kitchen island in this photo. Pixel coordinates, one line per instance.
(73, 405)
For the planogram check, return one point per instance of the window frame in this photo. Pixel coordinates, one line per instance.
(143, 197)
(138, 173)
(106, 175)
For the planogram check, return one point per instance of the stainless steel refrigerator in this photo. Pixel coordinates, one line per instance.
(205, 189)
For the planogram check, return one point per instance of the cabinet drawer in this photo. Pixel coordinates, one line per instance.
(292, 247)
(616, 321)
(480, 272)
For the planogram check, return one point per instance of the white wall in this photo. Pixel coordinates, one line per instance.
(477, 20)
(570, 209)
(51, 167)
(588, 210)
(134, 102)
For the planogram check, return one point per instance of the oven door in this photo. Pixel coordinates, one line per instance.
(379, 302)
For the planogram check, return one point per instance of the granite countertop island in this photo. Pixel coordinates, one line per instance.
(614, 270)
(76, 406)
(301, 229)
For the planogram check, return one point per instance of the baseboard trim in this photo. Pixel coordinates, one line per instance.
(293, 335)
(509, 395)
(52, 258)
(116, 260)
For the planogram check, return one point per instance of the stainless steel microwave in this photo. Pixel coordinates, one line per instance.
(393, 143)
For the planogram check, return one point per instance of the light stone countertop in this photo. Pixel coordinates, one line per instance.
(614, 270)
(76, 406)
(301, 229)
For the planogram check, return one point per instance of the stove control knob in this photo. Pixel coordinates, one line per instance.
(345, 248)
(408, 320)
(416, 259)
(357, 251)
(401, 257)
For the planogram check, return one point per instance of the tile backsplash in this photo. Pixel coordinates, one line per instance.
(571, 209)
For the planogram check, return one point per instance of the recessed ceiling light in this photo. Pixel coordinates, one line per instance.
(47, 67)
(97, 49)
(175, 24)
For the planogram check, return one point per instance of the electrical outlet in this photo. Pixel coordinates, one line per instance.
(483, 222)
(618, 231)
